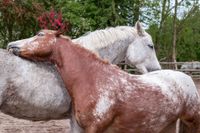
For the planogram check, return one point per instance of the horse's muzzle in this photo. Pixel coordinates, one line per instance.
(13, 49)
(151, 70)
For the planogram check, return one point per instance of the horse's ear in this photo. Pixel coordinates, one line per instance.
(58, 33)
(139, 29)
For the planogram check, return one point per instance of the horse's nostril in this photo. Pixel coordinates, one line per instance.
(13, 49)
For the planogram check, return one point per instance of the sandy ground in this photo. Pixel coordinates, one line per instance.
(9, 124)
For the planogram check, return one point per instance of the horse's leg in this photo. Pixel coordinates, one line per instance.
(171, 128)
(178, 124)
(182, 127)
(91, 129)
(192, 126)
(75, 128)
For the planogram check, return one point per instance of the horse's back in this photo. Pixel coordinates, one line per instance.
(180, 87)
(31, 90)
(156, 100)
(176, 79)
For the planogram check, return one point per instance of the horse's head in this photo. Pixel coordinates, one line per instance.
(38, 47)
(141, 52)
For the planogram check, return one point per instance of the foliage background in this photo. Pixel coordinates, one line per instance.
(19, 19)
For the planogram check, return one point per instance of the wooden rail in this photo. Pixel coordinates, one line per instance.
(194, 73)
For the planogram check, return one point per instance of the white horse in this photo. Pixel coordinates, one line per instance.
(35, 91)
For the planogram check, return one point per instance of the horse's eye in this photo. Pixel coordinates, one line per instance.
(150, 46)
(40, 34)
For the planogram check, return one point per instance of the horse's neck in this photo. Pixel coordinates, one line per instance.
(103, 41)
(78, 67)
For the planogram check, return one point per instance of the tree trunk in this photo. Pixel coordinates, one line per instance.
(159, 33)
(136, 10)
(174, 35)
(114, 13)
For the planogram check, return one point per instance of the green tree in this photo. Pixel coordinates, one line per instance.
(162, 31)
(17, 19)
(188, 43)
(89, 15)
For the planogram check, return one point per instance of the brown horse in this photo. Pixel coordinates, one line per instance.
(106, 99)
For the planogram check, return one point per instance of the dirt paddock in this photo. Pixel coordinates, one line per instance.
(9, 124)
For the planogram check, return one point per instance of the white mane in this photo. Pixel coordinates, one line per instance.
(103, 38)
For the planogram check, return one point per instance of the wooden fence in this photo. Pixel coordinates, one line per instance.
(194, 73)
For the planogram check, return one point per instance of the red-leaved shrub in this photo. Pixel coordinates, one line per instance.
(53, 20)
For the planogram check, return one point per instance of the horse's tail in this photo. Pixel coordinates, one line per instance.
(185, 127)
